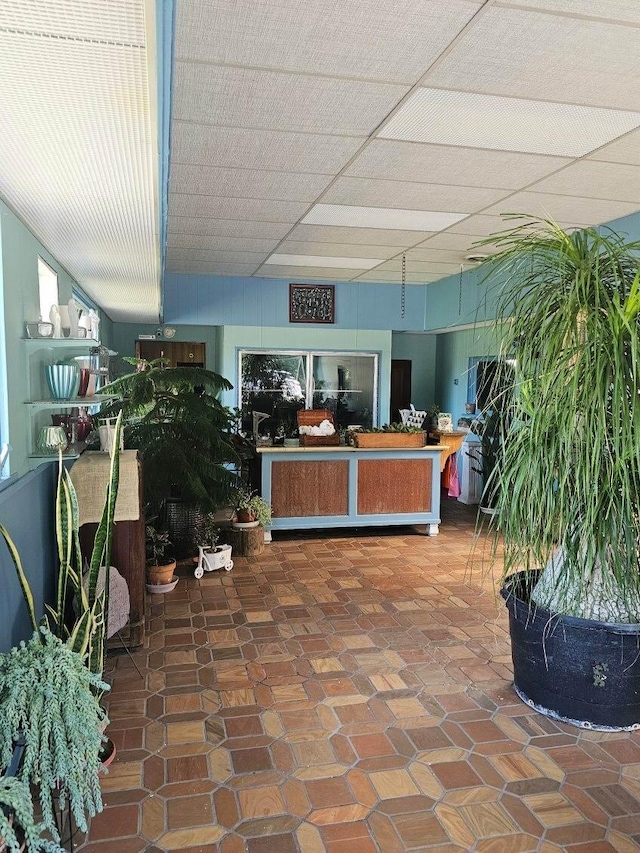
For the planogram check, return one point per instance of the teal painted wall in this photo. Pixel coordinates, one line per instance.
(125, 335)
(452, 364)
(420, 350)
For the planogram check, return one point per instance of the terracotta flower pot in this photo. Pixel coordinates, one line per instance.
(161, 574)
(245, 516)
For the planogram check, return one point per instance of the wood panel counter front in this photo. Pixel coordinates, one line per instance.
(352, 487)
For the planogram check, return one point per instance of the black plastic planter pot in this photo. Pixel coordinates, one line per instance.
(576, 670)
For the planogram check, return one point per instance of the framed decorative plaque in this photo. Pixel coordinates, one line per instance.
(311, 303)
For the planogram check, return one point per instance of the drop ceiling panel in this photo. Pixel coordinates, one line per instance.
(621, 10)
(561, 208)
(306, 273)
(209, 269)
(437, 269)
(246, 183)
(260, 149)
(412, 196)
(509, 124)
(393, 40)
(236, 208)
(594, 179)
(436, 256)
(534, 55)
(319, 261)
(237, 244)
(70, 106)
(217, 255)
(244, 97)
(339, 250)
(444, 164)
(365, 236)
(118, 21)
(483, 224)
(451, 241)
(624, 150)
(394, 278)
(380, 217)
(205, 226)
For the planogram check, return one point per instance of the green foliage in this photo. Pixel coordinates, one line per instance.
(403, 428)
(15, 797)
(209, 532)
(156, 543)
(183, 432)
(254, 505)
(85, 636)
(48, 694)
(570, 474)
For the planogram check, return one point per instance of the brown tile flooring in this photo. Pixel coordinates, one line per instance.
(349, 694)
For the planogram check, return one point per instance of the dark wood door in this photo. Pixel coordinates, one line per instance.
(400, 386)
(178, 353)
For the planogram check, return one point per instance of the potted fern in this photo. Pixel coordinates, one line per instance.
(569, 474)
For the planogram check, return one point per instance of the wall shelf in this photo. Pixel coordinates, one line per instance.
(73, 403)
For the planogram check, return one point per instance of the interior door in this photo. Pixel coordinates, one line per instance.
(400, 386)
(178, 353)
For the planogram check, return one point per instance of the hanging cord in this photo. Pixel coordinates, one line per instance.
(460, 293)
(403, 291)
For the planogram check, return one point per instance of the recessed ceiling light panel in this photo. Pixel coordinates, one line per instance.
(381, 217)
(506, 124)
(321, 261)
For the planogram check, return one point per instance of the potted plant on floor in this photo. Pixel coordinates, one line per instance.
(211, 555)
(160, 566)
(186, 441)
(569, 476)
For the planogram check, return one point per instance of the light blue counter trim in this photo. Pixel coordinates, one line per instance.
(430, 520)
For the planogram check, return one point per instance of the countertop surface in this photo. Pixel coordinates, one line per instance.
(439, 448)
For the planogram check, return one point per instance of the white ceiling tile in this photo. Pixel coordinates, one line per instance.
(507, 124)
(306, 273)
(624, 150)
(480, 224)
(394, 278)
(562, 208)
(380, 217)
(451, 241)
(77, 145)
(227, 256)
(445, 164)
(236, 208)
(244, 97)
(260, 149)
(342, 250)
(393, 40)
(205, 226)
(593, 179)
(620, 10)
(238, 244)
(282, 259)
(410, 196)
(438, 256)
(210, 268)
(533, 55)
(365, 236)
(419, 267)
(246, 183)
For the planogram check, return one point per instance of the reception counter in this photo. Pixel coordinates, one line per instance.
(352, 487)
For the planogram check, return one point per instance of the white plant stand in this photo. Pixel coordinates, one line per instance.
(212, 559)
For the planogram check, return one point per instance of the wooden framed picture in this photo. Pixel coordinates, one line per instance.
(311, 303)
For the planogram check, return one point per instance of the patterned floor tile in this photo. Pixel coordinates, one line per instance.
(350, 692)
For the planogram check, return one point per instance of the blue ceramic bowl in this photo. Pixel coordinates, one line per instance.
(63, 380)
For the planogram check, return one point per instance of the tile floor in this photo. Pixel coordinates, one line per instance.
(349, 693)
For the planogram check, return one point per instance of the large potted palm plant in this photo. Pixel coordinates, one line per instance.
(569, 475)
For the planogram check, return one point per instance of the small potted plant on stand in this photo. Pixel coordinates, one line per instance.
(251, 510)
(160, 568)
(211, 556)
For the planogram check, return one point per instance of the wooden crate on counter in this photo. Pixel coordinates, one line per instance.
(390, 439)
(314, 417)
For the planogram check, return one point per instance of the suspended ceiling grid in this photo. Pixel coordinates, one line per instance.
(78, 142)
(322, 140)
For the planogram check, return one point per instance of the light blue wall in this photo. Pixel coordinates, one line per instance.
(452, 359)
(420, 350)
(125, 335)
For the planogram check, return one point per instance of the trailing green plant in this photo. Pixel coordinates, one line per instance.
(570, 472)
(255, 505)
(50, 696)
(209, 532)
(17, 822)
(402, 428)
(184, 434)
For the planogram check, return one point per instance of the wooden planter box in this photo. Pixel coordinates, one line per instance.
(314, 417)
(390, 439)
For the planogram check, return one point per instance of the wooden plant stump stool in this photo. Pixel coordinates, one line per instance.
(247, 541)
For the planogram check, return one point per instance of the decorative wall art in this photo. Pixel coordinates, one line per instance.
(311, 303)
